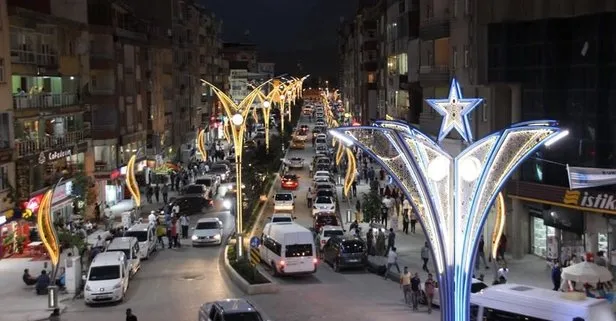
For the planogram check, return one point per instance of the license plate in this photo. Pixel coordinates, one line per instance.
(353, 260)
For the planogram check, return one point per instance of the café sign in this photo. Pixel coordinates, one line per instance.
(54, 155)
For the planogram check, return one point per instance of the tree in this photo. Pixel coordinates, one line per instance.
(84, 193)
(371, 205)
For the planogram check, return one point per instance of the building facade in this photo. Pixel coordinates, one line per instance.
(7, 165)
(49, 69)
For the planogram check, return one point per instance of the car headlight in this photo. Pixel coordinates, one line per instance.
(226, 204)
(194, 237)
(314, 207)
(217, 236)
(88, 288)
(117, 286)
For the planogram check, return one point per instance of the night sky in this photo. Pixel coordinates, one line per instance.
(305, 31)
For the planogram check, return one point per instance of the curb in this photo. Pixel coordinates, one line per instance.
(63, 309)
(246, 287)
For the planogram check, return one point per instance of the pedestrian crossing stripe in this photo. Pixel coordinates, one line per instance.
(255, 258)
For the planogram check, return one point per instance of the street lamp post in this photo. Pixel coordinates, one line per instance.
(236, 114)
(266, 119)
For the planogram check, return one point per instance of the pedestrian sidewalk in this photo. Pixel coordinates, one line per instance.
(20, 302)
(528, 270)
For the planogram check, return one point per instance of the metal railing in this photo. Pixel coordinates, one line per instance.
(25, 147)
(433, 69)
(33, 58)
(45, 100)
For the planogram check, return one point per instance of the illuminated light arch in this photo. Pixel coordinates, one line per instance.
(131, 181)
(46, 230)
(452, 209)
(201, 145)
(499, 224)
(350, 176)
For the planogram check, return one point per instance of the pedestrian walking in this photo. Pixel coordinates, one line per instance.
(500, 251)
(391, 240)
(130, 316)
(148, 194)
(425, 256)
(309, 198)
(415, 291)
(354, 188)
(413, 221)
(556, 276)
(405, 285)
(157, 193)
(160, 232)
(481, 254)
(405, 223)
(369, 241)
(184, 222)
(392, 260)
(357, 209)
(173, 233)
(380, 243)
(165, 191)
(429, 287)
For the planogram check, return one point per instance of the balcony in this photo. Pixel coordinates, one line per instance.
(132, 35)
(434, 75)
(27, 147)
(43, 101)
(105, 131)
(434, 28)
(33, 58)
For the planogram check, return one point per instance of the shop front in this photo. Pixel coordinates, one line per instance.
(565, 222)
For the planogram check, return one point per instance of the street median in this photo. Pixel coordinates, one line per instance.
(246, 276)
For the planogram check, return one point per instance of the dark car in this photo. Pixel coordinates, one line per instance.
(328, 193)
(196, 189)
(345, 252)
(191, 204)
(324, 218)
(221, 170)
(323, 167)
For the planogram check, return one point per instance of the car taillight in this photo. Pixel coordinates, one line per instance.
(282, 263)
(315, 260)
(323, 241)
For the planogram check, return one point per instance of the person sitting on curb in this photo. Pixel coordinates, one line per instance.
(42, 283)
(27, 278)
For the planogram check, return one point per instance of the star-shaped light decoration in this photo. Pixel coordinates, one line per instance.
(455, 110)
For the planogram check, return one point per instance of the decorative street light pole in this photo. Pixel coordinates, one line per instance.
(49, 237)
(236, 113)
(451, 194)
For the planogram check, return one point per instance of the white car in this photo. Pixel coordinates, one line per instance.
(295, 162)
(327, 232)
(321, 180)
(476, 286)
(282, 218)
(323, 204)
(301, 135)
(321, 149)
(320, 123)
(321, 174)
(208, 230)
(284, 201)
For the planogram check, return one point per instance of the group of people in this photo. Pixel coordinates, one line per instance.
(410, 283)
(173, 226)
(43, 281)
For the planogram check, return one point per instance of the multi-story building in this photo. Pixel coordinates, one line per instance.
(210, 64)
(116, 92)
(7, 165)
(242, 60)
(49, 69)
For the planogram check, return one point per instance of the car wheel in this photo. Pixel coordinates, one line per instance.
(274, 269)
(336, 266)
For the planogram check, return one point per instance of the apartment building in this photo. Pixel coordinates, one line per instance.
(210, 64)
(7, 164)
(49, 68)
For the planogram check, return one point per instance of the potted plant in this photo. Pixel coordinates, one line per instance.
(20, 241)
(371, 206)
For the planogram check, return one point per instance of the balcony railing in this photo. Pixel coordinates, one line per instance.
(45, 100)
(33, 58)
(435, 74)
(26, 147)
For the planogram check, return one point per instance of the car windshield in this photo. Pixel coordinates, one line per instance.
(207, 226)
(105, 272)
(476, 287)
(333, 233)
(293, 177)
(194, 189)
(283, 197)
(282, 219)
(218, 168)
(204, 181)
(324, 186)
(243, 316)
(126, 252)
(327, 220)
(141, 236)
(327, 193)
(298, 250)
(323, 200)
(321, 141)
(352, 247)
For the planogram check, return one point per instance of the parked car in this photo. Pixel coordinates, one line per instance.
(282, 218)
(230, 309)
(196, 189)
(297, 144)
(324, 218)
(323, 203)
(345, 252)
(326, 233)
(284, 201)
(295, 162)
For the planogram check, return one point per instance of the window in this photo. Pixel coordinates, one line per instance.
(272, 245)
(467, 7)
(5, 130)
(101, 273)
(467, 57)
(498, 315)
(403, 66)
(298, 250)
(141, 236)
(371, 78)
(455, 58)
(401, 6)
(2, 72)
(4, 177)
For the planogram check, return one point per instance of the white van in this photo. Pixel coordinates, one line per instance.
(107, 279)
(130, 247)
(523, 302)
(288, 248)
(146, 236)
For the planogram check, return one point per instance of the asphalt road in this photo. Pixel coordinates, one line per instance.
(174, 283)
